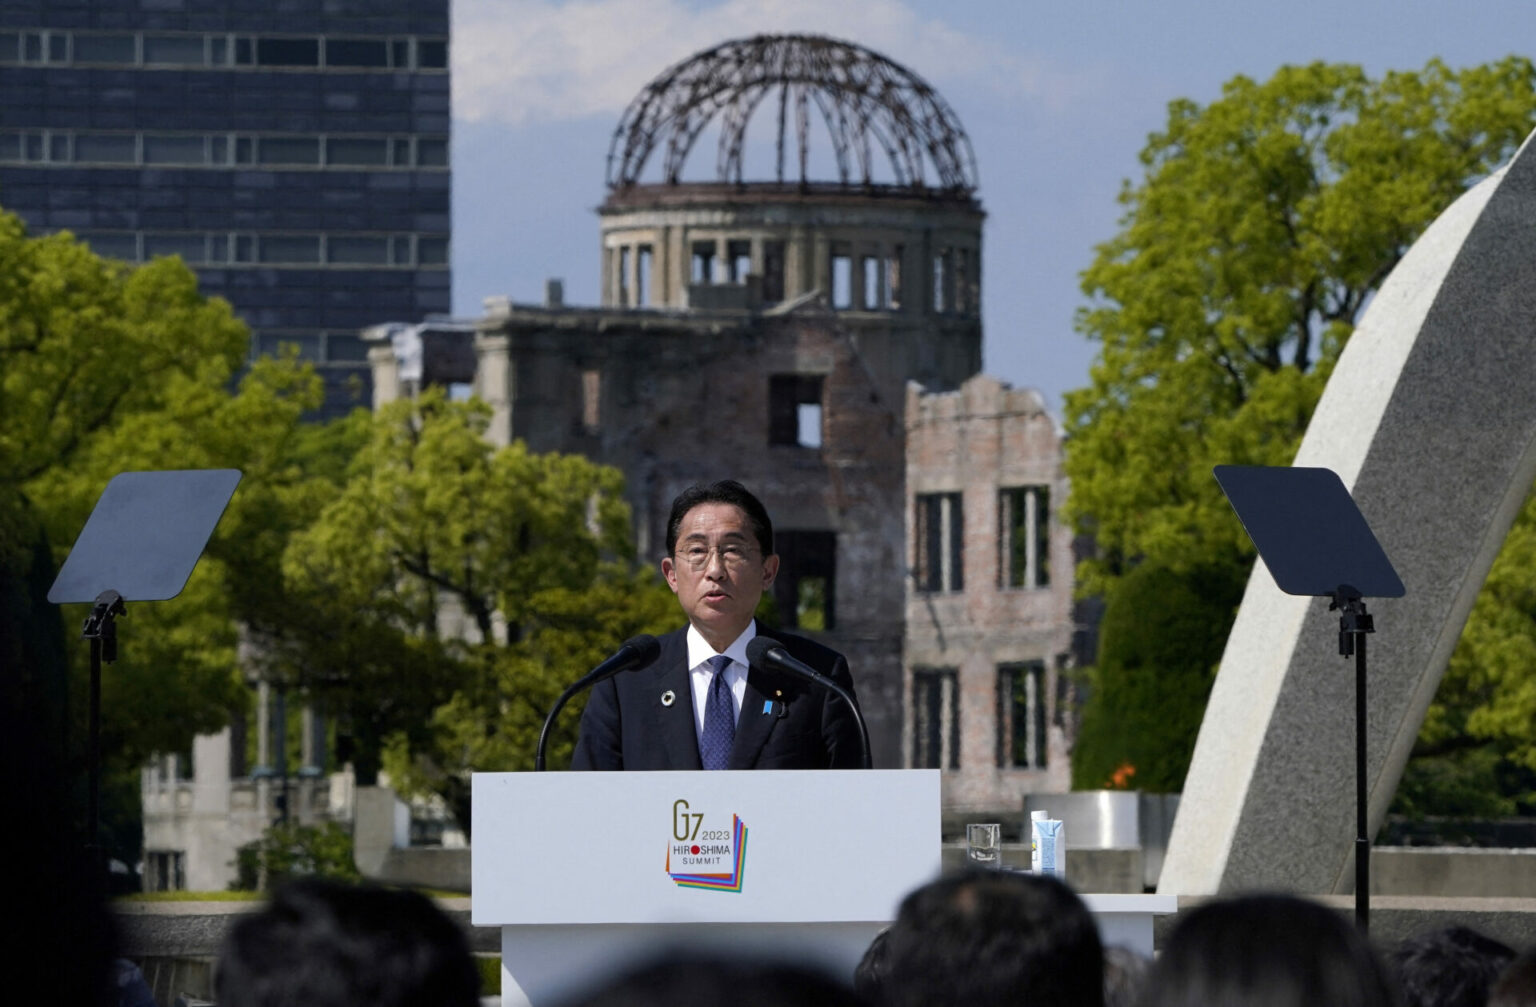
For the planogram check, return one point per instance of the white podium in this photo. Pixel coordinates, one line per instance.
(586, 873)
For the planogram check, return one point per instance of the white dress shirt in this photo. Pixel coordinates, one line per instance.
(699, 673)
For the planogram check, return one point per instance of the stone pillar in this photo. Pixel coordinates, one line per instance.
(263, 746)
(386, 374)
(605, 280)
(493, 383)
(312, 754)
(678, 267)
(382, 823)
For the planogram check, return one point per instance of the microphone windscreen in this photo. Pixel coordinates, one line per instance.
(646, 648)
(758, 648)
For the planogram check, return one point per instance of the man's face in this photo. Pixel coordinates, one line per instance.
(718, 572)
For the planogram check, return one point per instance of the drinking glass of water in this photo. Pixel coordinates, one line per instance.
(984, 846)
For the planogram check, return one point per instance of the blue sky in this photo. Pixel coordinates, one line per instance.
(1057, 97)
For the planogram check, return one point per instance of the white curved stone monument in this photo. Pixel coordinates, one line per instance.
(1430, 420)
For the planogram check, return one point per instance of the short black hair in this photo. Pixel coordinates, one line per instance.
(1125, 976)
(709, 980)
(869, 974)
(994, 939)
(1267, 951)
(1452, 967)
(1517, 985)
(726, 491)
(326, 944)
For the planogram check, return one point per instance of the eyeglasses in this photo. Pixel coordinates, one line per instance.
(734, 555)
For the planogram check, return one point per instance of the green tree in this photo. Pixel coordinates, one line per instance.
(1263, 224)
(464, 586)
(285, 852)
(1476, 753)
(1160, 642)
(177, 673)
(86, 345)
(106, 368)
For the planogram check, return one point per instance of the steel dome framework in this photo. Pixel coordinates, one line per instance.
(870, 104)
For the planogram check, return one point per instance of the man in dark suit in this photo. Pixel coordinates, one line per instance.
(698, 706)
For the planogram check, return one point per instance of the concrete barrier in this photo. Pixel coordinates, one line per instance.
(1395, 917)
(195, 930)
(425, 867)
(1453, 872)
(1103, 872)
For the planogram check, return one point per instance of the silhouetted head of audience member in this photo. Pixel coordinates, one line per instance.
(325, 944)
(1517, 984)
(682, 980)
(994, 939)
(1454, 967)
(869, 974)
(1125, 976)
(1267, 951)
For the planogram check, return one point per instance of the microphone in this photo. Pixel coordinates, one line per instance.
(636, 652)
(769, 654)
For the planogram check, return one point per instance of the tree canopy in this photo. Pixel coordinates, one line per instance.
(1263, 224)
(1160, 642)
(432, 591)
(1476, 752)
(1260, 229)
(106, 368)
(453, 588)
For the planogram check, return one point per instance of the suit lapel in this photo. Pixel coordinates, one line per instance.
(753, 726)
(679, 739)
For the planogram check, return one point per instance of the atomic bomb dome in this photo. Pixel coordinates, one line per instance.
(868, 104)
(860, 188)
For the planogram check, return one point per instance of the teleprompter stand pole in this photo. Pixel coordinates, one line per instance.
(1354, 624)
(140, 544)
(101, 629)
(1315, 542)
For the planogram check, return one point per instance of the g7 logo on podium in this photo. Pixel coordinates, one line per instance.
(708, 858)
(680, 818)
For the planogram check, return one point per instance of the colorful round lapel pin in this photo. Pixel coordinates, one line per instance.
(668, 698)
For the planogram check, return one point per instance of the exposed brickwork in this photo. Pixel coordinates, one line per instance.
(974, 441)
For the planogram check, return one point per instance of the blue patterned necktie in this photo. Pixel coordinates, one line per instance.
(719, 718)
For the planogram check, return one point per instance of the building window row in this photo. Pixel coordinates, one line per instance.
(939, 536)
(1023, 539)
(292, 150)
(632, 274)
(957, 281)
(165, 870)
(344, 348)
(1021, 717)
(718, 261)
(865, 278)
(221, 50)
(244, 248)
(935, 718)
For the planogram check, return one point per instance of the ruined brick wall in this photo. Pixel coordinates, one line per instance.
(974, 441)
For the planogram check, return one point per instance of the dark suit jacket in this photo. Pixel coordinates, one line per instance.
(626, 725)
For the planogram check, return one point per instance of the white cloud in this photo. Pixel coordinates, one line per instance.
(521, 61)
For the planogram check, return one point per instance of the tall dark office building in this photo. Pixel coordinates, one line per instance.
(294, 153)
